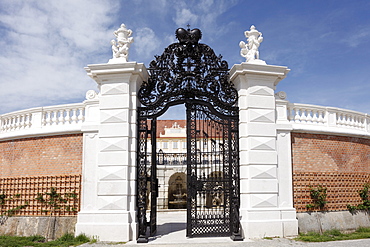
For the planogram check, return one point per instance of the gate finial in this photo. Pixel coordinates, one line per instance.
(188, 36)
(120, 48)
(250, 50)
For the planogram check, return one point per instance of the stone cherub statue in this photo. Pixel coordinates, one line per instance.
(250, 50)
(120, 48)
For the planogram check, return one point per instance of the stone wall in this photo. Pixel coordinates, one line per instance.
(324, 221)
(28, 226)
(48, 155)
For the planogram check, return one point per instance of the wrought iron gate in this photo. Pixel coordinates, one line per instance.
(190, 73)
(212, 170)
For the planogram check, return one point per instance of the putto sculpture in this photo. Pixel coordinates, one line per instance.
(250, 50)
(120, 48)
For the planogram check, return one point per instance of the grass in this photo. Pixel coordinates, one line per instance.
(334, 235)
(66, 240)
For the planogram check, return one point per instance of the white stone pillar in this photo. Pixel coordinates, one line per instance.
(109, 166)
(265, 174)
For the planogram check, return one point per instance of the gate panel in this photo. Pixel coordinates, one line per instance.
(153, 179)
(147, 185)
(210, 162)
(142, 178)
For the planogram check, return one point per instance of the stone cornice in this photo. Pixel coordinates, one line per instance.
(101, 72)
(280, 72)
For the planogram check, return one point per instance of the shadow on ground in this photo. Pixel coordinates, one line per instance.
(168, 228)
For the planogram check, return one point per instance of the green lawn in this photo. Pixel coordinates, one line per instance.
(65, 240)
(334, 235)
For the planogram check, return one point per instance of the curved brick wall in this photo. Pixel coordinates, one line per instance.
(50, 155)
(340, 163)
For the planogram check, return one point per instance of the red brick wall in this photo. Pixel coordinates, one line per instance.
(51, 155)
(325, 153)
(340, 163)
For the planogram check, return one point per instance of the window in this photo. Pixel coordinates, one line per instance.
(165, 145)
(175, 144)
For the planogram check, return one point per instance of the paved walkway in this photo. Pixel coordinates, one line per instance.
(171, 232)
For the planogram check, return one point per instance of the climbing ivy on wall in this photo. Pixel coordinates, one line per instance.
(364, 194)
(4, 214)
(318, 195)
(55, 201)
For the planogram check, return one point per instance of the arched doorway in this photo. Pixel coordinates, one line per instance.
(177, 191)
(190, 73)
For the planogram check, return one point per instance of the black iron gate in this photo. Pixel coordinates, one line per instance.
(212, 170)
(190, 73)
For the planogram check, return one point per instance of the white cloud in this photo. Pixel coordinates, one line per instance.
(45, 46)
(357, 37)
(184, 17)
(146, 42)
(203, 14)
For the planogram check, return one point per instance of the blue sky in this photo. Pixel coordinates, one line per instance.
(45, 45)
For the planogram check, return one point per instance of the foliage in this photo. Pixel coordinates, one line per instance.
(55, 201)
(66, 240)
(318, 195)
(52, 199)
(364, 194)
(2, 199)
(71, 240)
(334, 235)
(10, 212)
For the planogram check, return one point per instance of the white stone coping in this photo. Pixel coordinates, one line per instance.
(326, 120)
(70, 118)
(41, 121)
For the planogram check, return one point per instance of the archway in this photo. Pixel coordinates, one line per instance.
(177, 191)
(190, 73)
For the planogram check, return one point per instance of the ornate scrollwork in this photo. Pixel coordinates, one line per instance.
(190, 73)
(188, 70)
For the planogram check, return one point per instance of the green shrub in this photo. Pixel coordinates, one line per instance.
(318, 195)
(364, 194)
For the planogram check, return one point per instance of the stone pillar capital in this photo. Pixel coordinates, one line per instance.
(112, 73)
(269, 73)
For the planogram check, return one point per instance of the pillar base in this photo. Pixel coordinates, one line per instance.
(110, 226)
(260, 223)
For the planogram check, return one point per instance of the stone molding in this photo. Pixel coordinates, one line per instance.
(43, 121)
(277, 72)
(322, 120)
